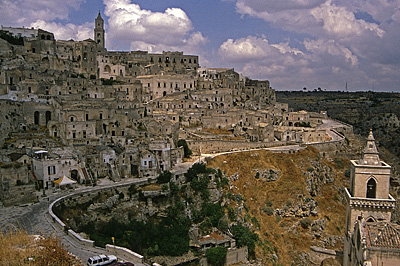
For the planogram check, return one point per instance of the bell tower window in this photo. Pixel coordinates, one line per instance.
(371, 188)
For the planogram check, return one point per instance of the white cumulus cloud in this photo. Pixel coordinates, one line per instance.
(66, 32)
(323, 62)
(155, 31)
(19, 13)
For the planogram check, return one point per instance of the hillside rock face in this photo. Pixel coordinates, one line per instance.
(318, 175)
(304, 207)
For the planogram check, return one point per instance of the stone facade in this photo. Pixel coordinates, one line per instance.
(369, 210)
(124, 112)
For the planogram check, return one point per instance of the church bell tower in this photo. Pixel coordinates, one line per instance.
(99, 33)
(369, 192)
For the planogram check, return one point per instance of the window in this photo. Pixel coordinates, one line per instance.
(371, 188)
(51, 170)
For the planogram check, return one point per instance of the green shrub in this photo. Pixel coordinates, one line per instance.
(255, 222)
(268, 210)
(245, 237)
(216, 256)
(305, 223)
(268, 203)
(339, 163)
(214, 212)
(164, 177)
(186, 150)
(231, 214)
(347, 173)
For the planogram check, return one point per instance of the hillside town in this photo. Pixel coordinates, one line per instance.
(73, 108)
(74, 113)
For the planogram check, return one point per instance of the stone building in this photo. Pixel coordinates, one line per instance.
(370, 237)
(49, 166)
(130, 105)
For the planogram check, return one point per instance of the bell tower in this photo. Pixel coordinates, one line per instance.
(99, 32)
(369, 192)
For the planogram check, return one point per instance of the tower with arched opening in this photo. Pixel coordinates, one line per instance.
(368, 198)
(99, 32)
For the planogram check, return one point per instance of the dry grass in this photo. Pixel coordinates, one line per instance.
(151, 187)
(217, 131)
(19, 248)
(285, 234)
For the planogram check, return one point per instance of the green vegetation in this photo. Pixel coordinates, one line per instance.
(214, 212)
(11, 39)
(245, 237)
(268, 210)
(196, 170)
(110, 81)
(339, 163)
(168, 237)
(186, 150)
(164, 177)
(198, 176)
(216, 256)
(305, 222)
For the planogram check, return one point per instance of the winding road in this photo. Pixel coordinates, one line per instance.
(35, 218)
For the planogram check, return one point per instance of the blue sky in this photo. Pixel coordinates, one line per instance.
(292, 43)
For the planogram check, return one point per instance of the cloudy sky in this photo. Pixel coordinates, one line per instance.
(293, 43)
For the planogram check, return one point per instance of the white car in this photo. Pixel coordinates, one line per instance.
(99, 260)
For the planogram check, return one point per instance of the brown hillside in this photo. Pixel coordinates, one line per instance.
(283, 234)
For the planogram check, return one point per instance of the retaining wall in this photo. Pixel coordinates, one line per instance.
(119, 251)
(319, 254)
(217, 146)
(125, 253)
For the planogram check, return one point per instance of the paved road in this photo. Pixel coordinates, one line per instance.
(35, 219)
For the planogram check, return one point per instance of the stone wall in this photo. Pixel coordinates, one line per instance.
(234, 256)
(384, 256)
(320, 254)
(17, 195)
(216, 146)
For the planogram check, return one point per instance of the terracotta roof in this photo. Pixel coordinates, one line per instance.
(213, 235)
(386, 235)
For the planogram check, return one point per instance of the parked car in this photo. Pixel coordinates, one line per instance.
(100, 260)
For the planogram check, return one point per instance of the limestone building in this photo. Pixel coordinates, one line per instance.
(371, 239)
(126, 111)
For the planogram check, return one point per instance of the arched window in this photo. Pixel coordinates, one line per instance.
(371, 188)
(370, 220)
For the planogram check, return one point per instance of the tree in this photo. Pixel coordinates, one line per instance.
(213, 211)
(186, 150)
(245, 237)
(216, 256)
(164, 177)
